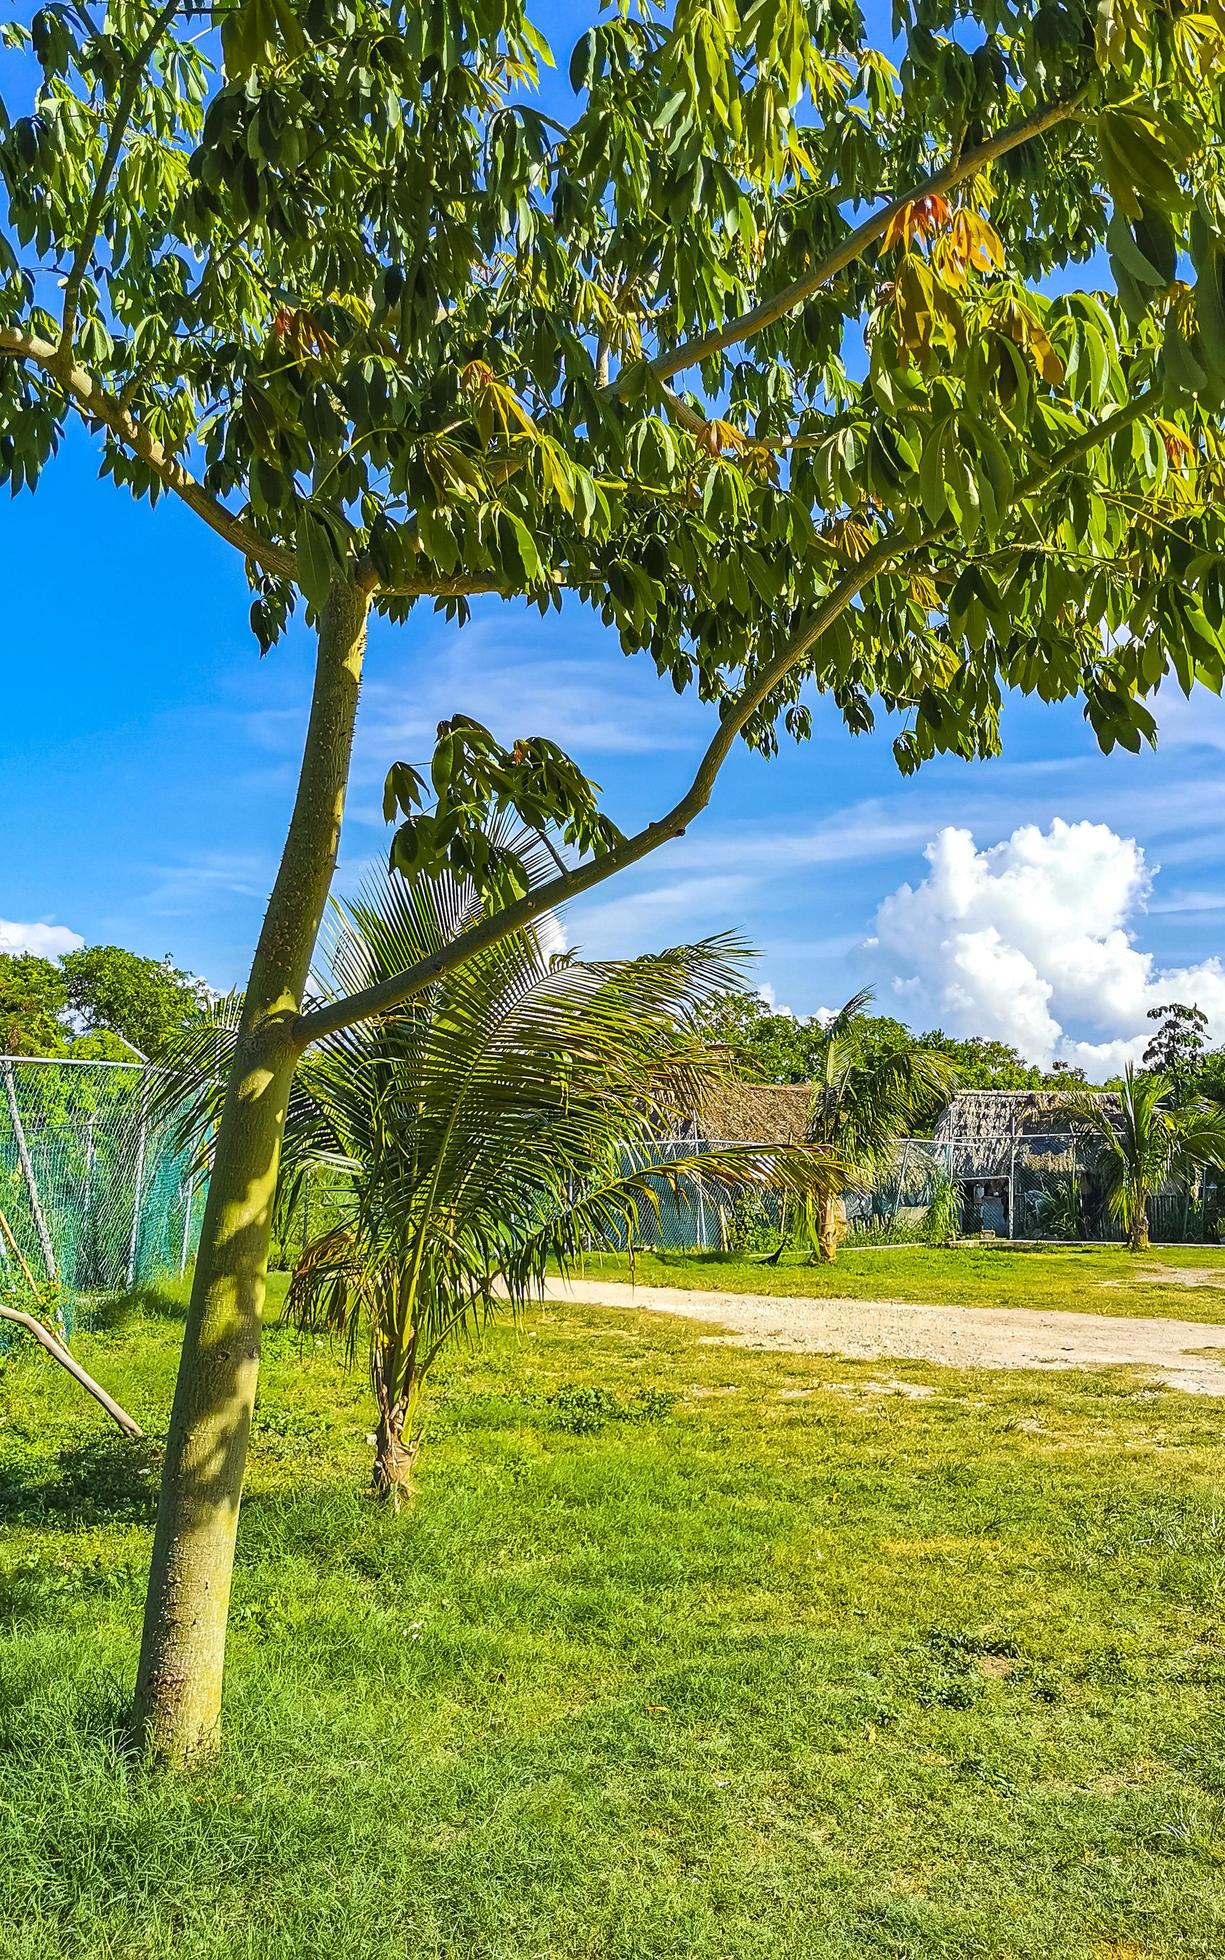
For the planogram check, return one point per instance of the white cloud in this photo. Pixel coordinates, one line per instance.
(551, 934)
(767, 994)
(48, 941)
(1031, 941)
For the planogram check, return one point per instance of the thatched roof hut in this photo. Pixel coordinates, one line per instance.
(996, 1132)
(754, 1112)
(986, 1121)
(987, 1115)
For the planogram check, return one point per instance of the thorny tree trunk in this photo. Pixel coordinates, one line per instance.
(178, 1691)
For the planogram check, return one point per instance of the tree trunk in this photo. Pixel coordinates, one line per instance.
(178, 1688)
(394, 1382)
(1138, 1239)
(831, 1227)
(392, 1480)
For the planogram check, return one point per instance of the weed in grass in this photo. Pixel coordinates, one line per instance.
(583, 1409)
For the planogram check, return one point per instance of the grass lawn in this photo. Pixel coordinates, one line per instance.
(784, 1666)
(1102, 1279)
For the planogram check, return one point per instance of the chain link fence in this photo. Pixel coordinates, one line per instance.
(95, 1196)
(1049, 1187)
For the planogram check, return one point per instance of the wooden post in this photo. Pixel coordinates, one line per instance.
(8, 1241)
(45, 1338)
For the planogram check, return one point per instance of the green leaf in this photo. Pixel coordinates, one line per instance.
(318, 559)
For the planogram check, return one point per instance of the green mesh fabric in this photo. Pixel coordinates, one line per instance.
(96, 1197)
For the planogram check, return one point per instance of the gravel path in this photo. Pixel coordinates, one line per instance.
(958, 1337)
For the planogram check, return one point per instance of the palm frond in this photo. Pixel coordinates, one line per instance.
(504, 1116)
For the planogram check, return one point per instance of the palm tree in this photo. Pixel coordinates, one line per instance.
(1151, 1138)
(863, 1101)
(482, 1131)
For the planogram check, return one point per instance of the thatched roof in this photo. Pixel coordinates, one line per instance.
(778, 1112)
(994, 1113)
(755, 1112)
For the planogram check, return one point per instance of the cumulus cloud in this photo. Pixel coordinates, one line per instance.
(47, 940)
(771, 1001)
(1032, 941)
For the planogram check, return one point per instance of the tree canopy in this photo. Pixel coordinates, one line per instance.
(342, 283)
(99, 1003)
(1176, 1050)
(771, 1046)
(146, 1003)
(32, 1001)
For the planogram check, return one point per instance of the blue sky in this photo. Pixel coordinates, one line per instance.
(148, 756)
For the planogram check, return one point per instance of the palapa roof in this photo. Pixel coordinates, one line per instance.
(778, 1112)
(755, 1112)
(993, 1113)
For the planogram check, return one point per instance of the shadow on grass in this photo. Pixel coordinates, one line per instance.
(112, 1480)
(74, 1718)
(111, 1313)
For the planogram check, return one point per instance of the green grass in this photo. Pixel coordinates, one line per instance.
(782, 1666)
(1100, 1279)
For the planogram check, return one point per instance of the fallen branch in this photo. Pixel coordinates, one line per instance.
(46, 1338)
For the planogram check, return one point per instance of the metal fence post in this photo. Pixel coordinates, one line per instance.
(189, 1192)
(901, 1179)
(138, 1192)
(27, 1171)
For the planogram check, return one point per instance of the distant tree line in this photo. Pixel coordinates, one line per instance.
(100, 1003)
(766, 1045)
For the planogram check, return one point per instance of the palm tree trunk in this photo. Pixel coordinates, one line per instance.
(831, 1227)
(394, 1393)
(392, 1478)
(178, 1690)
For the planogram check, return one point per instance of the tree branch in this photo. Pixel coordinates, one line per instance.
(691, 353)
(1088, 440)
(94, 404)
(60, 1353)
(391, 993)
(123, 115)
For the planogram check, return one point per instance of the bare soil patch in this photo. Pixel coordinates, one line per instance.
(1186, 1354)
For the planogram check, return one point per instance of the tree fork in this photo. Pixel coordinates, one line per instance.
(178, 1691)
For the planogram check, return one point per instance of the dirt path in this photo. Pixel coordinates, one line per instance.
(958, 1337)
